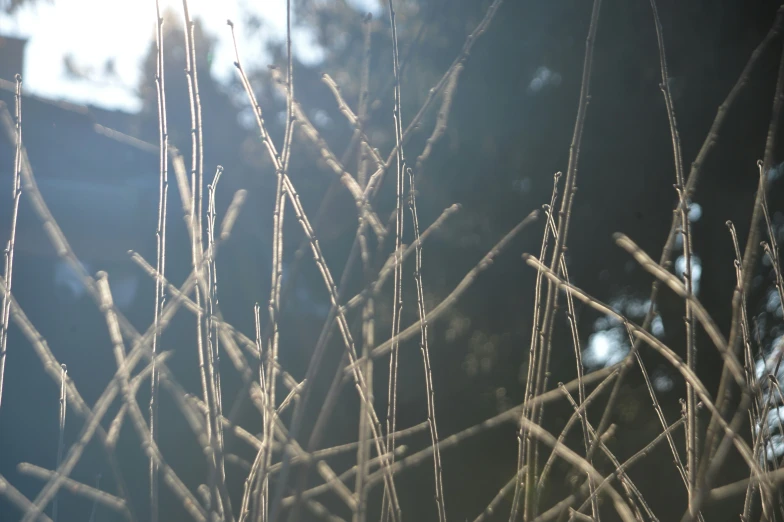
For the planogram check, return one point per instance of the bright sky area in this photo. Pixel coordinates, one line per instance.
(94, 31)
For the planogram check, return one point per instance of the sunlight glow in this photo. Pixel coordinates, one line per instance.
(609, 343)
(95, 31)
(605, 348)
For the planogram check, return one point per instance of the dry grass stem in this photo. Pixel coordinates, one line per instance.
(16, 195)
(160, 236)
(77, 488)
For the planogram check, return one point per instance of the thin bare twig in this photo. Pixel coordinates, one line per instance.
(160, 236)
(683, 208)
(18, 499)
(493, 505)
(369, 308)
(524, 440)
(77, 488)
(16, 195)
(61, 433)
(397, 297)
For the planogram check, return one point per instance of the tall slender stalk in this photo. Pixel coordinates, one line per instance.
(571, 316)
(61, 431)
(220, 503)
(683, 209)
(277, 258)
(423, 344)
(523, 438)
(160, 236)
(16, 194)
(213, 337)
(368, 309)
(397, 298)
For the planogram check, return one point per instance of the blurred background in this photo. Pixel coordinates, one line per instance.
(90, 125)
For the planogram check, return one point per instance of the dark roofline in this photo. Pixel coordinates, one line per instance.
(84, 111)
(60, 104)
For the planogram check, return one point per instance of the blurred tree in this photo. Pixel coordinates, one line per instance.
(509, 130)
(511, 120)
